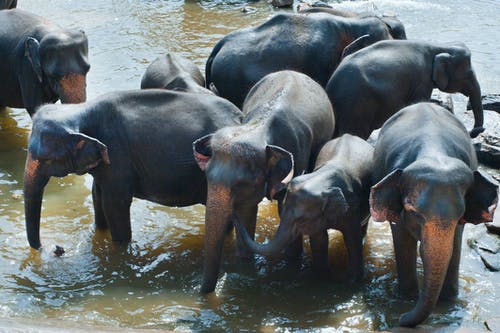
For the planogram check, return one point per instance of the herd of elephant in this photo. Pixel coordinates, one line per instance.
(283, 114)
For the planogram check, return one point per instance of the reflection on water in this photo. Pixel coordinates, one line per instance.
(153, 282)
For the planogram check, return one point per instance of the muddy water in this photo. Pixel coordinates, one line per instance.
(153, 283)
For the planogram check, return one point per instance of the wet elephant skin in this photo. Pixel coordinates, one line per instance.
(428, 187)
(40, 62)
(133, 143)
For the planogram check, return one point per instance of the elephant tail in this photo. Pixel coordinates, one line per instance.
(208, 66)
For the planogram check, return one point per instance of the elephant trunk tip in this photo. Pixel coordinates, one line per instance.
(476, 131)
(413, 318)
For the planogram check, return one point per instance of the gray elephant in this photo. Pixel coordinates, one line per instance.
(287, 118)
(133, 143)
(335, 195)
(375, 82)
(308, 43)
(428, 187)
(40, 62)
(174, 72)
(8, 4)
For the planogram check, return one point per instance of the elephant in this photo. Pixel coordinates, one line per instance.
(8, 4)
(335, 195)
(174, 72)
(133, 143)
(287, 118)
(409, 70)
(311, 44)
(40, 62)
(428, 186)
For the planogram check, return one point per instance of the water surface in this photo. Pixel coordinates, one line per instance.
(154, 282)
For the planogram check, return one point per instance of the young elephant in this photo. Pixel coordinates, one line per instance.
(174, 72)
(134, 144)
(428, 187)
(409, 70)
(334, 196)
(287, 118)
(308, 43)
(40, 62)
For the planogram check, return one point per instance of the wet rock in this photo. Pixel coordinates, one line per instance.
(246, 10)
(493, 324)
(487, 246)
(490, 102)
(493, 228)
(59, 251)
(320, 4)
(282, 3)
(487, 145)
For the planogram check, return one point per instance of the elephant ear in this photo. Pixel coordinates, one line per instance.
(334, 202)
(31, 52)
(87, 153)
(395, 26)
(440, 75)
(385, 198)
(202, 151)
(356, 45)
(279, 170)
(481, 200)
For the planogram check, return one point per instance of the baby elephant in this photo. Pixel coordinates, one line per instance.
(134, 144)
(409, 70)
(428, 187)
(334, 195)
(174, 72)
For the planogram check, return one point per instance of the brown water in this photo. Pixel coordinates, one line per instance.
(154, 282)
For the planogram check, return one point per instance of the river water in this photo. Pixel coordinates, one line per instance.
(154, 282)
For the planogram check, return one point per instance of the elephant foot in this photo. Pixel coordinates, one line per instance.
(448, 294)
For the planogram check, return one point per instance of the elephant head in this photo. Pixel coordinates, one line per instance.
(452, 72)
(58, 63)
(240, 172)
(54, 150)
(305, 211)
(431, 203)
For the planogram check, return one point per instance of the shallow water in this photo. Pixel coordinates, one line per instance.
(153, 283)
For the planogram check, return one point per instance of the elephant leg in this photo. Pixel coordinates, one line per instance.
(450, 285)
(99, 217)
(319, 249)
(248, 217)
(116, 201)
(405, 250)
(353, 241)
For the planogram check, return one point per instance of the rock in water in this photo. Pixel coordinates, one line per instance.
(282, 3)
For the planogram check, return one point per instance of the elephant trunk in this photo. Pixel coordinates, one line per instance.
(436, 249)
(217, 218)
(72, 89)
(34, 184)
(477, 107)
(283, 237)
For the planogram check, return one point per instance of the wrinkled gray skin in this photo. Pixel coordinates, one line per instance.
(287, 118)
(40, 62)
(428, 187)
(174, 72)
(334, 196)
(133, 143)
(409, 70)
(8, 4)
(308, 43)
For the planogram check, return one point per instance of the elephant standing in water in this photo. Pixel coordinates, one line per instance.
(428, 187)
(374, 83)
(40, 62)
(133, 143)
(174, 72)
(287, 118)
(334, 195)
(311, 44)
